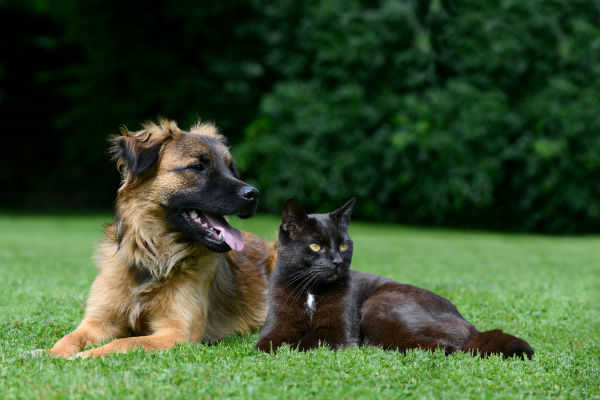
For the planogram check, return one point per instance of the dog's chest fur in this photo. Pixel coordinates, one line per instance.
(201, 288)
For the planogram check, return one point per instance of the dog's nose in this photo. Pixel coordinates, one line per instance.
(249, 193)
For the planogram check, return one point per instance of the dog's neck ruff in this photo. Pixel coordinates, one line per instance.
(148, 244)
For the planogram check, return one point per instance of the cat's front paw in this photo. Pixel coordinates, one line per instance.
(310, 344)
(266, 346)
(305, 346)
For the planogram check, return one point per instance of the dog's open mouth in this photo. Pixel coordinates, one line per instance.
(215, 229)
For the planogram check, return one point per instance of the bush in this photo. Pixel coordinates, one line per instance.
(75, 71)
(444, 112)
(448, 113)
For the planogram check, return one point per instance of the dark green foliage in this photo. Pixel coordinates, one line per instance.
(449, 112)
(461, 113)
(116, 63)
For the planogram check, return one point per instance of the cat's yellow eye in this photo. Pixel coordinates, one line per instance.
(344, 246)
(315, 247)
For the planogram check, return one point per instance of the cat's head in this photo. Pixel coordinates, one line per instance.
(314, 249)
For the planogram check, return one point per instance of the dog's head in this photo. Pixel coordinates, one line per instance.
(189, 175)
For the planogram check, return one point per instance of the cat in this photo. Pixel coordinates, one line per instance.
(310, 296)
(315, 298)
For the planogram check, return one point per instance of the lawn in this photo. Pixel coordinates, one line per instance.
(544, 289)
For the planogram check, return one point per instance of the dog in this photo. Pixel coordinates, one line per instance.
(171, 269)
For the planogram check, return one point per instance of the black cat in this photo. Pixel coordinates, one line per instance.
(310, 299)
(315, 298)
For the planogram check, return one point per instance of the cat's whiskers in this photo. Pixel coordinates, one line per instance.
(309, 278)
(295, 277)
(315, 275)
(312, 279)
(304, 278)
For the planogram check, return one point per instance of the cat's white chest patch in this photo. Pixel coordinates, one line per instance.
(311, 306)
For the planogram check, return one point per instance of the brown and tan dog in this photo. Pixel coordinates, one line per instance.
(166, 274)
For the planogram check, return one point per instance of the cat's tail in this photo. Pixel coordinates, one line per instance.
(498, 342)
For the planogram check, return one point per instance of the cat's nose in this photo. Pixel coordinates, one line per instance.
(337, 259)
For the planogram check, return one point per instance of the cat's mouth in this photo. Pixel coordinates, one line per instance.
(213, 230)
(334, 275)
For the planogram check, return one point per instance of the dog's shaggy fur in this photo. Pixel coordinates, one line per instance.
(161, 279)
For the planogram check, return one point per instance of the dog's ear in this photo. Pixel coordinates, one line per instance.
(137, 152)
(293, 217)
(138, 156)
(344, 213)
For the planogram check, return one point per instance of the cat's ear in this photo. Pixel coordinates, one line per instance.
(293, 216)
(344, 213)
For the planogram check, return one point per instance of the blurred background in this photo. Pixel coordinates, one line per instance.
(461, 113)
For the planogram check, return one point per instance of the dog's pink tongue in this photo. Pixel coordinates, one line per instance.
(231, 236)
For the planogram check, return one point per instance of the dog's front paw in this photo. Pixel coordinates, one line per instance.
(81, 354)
(37, 353)
(50, 353)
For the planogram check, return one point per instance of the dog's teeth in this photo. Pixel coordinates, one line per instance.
(205, 225)
(220, 237)
(194, 214)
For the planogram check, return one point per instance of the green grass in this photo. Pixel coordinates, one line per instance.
(544, 289)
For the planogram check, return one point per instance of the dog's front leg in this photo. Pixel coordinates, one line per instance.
(88, 333)
(179, 317)
(161, 340)
(167, 332)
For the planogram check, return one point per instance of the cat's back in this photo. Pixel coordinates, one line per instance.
(365, 285)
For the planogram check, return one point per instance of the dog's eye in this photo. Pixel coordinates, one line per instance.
(198, 167)
(343, 246)
(233, 170)
(315, 247)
